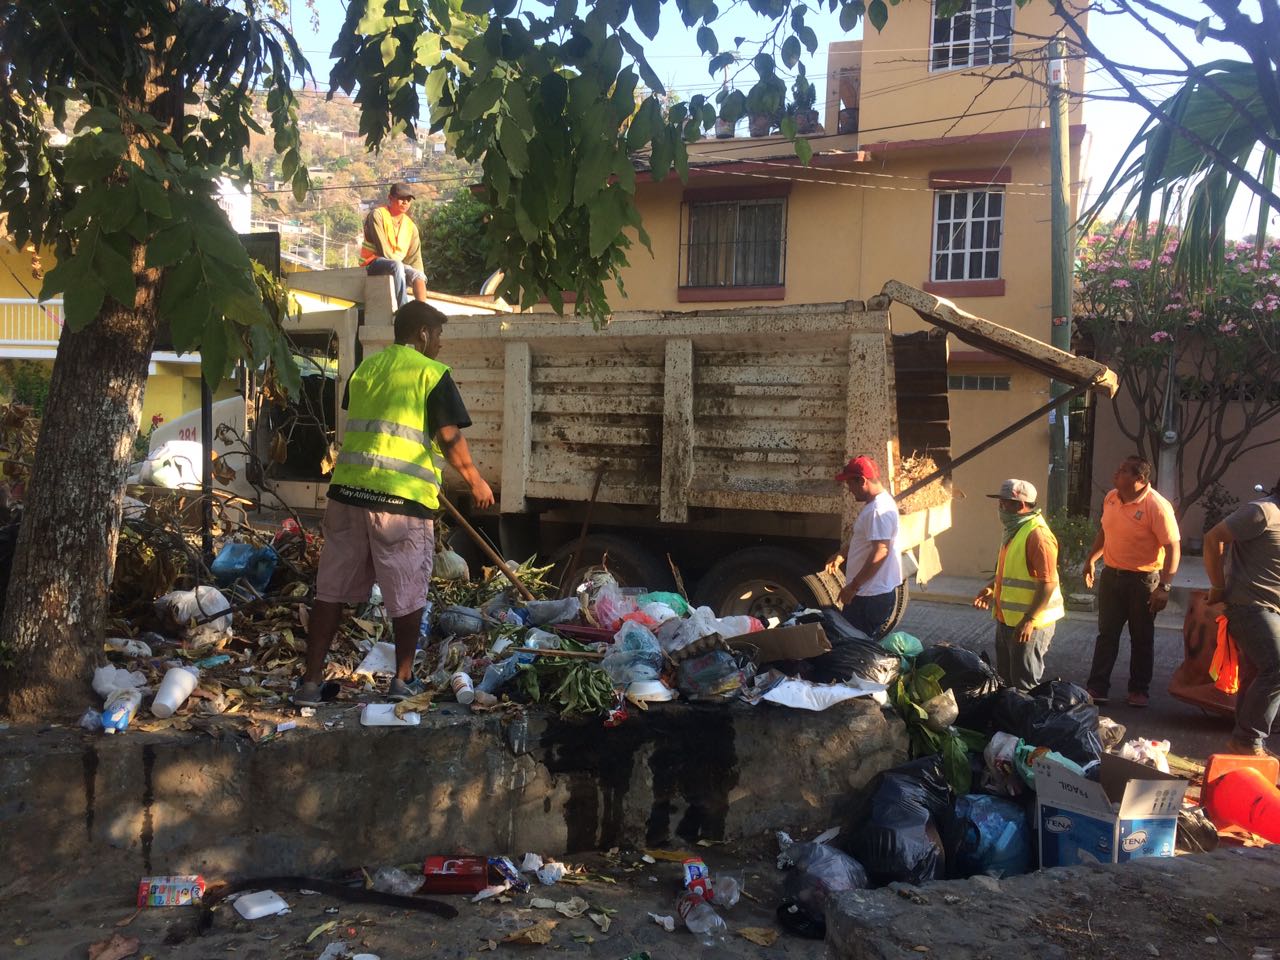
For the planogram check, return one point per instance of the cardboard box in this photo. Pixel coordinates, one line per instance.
(1131, 812)
(787, 643)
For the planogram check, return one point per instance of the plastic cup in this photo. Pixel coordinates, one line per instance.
(463, 690)
(177, 685)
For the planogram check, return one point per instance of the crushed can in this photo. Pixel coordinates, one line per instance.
(697, 879)
(170, 891)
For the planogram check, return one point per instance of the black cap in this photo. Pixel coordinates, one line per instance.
(402, 190)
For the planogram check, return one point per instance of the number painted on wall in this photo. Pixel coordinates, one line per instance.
(189, 433)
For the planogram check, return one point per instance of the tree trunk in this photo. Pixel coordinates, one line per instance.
(66, 549)
(65, 555)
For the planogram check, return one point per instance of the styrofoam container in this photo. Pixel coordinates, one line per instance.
(384, 715)
(650, 691)
(177, 685)
(263, 903)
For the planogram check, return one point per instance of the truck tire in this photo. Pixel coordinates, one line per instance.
(765, 582)
(899, 607)
(631, 564)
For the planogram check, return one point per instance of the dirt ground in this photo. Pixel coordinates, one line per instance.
(53, 929)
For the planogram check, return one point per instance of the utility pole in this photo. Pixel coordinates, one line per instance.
(1063, 260)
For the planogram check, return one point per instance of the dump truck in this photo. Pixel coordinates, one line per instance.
(692, 449)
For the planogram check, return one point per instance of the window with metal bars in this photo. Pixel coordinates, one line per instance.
(736, 243)
(967, 227)
(969, 381)
(980, 33)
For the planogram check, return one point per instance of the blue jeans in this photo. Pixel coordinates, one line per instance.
(870, 614)
(1256, 631)
(401, 276)
(1021, 665)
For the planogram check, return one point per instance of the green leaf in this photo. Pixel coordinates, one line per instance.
(426, 50)
(388, 48)
(788, 126)
(221, 244)
(804, 150)
(514, 149)
(707, 41)
(115, 274)
(850, 14)
(480, 99)
(878, 14)
(170, 245)
(213, 351)
(82, 302)
(734, 106)
(593, 171)
(791, 52)
(151, 195)
(607, 217)
(644, 125)
(647, 14)
(179, 287)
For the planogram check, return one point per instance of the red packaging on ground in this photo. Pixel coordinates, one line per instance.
(697, 879)
(455, 874)
(170, 891)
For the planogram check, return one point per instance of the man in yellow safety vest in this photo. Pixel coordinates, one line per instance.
(404, 418)
(1023, 596)
(392, 247)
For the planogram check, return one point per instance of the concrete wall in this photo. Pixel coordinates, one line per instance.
(319, 800)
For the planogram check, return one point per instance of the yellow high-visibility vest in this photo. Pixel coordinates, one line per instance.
(1014, 586)
(386, 447)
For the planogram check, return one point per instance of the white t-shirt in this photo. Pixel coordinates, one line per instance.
(878, 520)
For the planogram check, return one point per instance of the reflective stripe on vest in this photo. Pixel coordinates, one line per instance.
(1015, 588)
(386, 447)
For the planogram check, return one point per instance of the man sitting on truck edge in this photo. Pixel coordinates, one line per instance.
(873, 566)
(392, 247)
(1023, 597)
(1251, 590)
(404, 418)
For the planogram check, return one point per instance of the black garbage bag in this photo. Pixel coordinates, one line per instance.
(817, 871)
(989, 835)
(852, 654)
(971, 679)
(900, 837)
(1057, 715)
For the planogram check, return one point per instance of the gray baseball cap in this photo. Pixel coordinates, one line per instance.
(1015, 490)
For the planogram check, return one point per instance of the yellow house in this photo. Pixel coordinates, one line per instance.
(929, 171)
(29, 333)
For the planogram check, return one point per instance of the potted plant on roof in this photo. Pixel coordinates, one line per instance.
(764, 107)
(803, 96)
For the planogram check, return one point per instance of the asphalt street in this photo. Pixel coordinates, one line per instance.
(1193, 733)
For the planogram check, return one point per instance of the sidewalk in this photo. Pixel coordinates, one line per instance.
(962, 590)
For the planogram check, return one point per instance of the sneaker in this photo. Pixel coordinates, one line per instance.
(399, 689)
(1237, 748)
(1096, 697)
(308, 695)
(1136, 699)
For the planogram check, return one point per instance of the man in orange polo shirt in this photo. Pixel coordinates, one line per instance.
(1140, 544)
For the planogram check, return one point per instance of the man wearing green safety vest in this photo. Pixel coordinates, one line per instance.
(1023, 596)
(404, 418)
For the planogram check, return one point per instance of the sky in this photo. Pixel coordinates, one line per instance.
(675, 56)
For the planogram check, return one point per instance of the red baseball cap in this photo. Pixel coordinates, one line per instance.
(859, 468)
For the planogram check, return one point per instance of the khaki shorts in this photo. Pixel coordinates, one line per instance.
(362, 547)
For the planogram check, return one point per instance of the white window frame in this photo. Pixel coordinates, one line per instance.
(993, 45)
(961, 235)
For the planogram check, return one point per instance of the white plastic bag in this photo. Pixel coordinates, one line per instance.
(174, 464)
(108, 679)
(181, 608)
(1154, 753)
(702, 622)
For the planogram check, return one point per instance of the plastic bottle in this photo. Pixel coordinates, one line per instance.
(119, 710)
(395, 880)
(701, 918)
(727, 891)
(463, 691)
(498, 675)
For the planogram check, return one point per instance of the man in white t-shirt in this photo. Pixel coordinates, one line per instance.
(873, 565)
